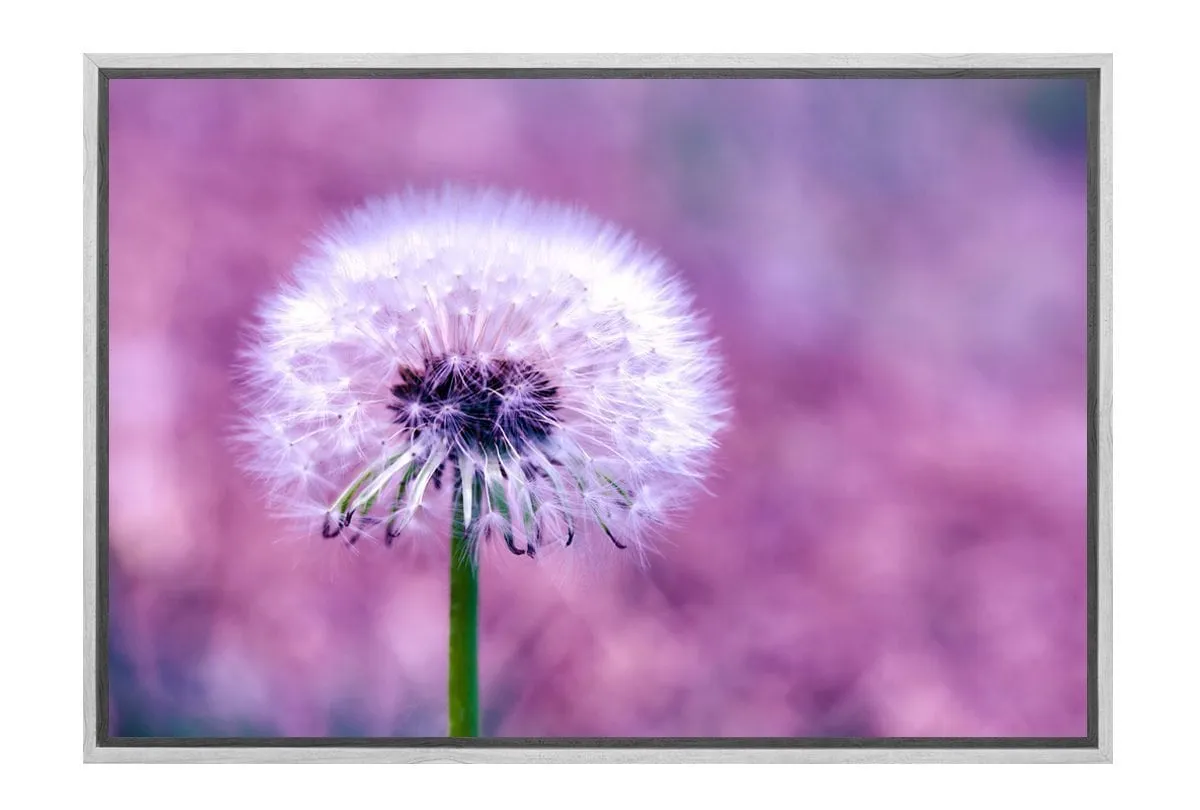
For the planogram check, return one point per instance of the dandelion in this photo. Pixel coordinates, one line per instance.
(537, 360)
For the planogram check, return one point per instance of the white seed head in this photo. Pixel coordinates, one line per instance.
(539, 356)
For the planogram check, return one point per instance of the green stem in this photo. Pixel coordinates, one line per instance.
(464, 629)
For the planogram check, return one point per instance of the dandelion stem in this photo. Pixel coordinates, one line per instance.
(464, 628)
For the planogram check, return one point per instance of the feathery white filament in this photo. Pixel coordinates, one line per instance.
(541, 357)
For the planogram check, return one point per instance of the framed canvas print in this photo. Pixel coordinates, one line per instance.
(598, 408)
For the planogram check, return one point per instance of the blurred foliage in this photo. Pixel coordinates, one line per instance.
(1054, 113)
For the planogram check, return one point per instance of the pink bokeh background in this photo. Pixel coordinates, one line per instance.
(895, 543)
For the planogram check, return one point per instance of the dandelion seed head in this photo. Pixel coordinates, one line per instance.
(534, 356)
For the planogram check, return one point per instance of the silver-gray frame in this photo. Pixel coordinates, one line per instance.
(95, 64)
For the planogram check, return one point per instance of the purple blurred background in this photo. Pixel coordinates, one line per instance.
(896, 540)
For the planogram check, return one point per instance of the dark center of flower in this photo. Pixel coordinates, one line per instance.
(473, 403)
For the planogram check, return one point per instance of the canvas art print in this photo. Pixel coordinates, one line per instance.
(575, 408)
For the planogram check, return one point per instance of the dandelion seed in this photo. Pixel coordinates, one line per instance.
(541, 358)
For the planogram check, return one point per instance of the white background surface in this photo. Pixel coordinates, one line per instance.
(1156, 481)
